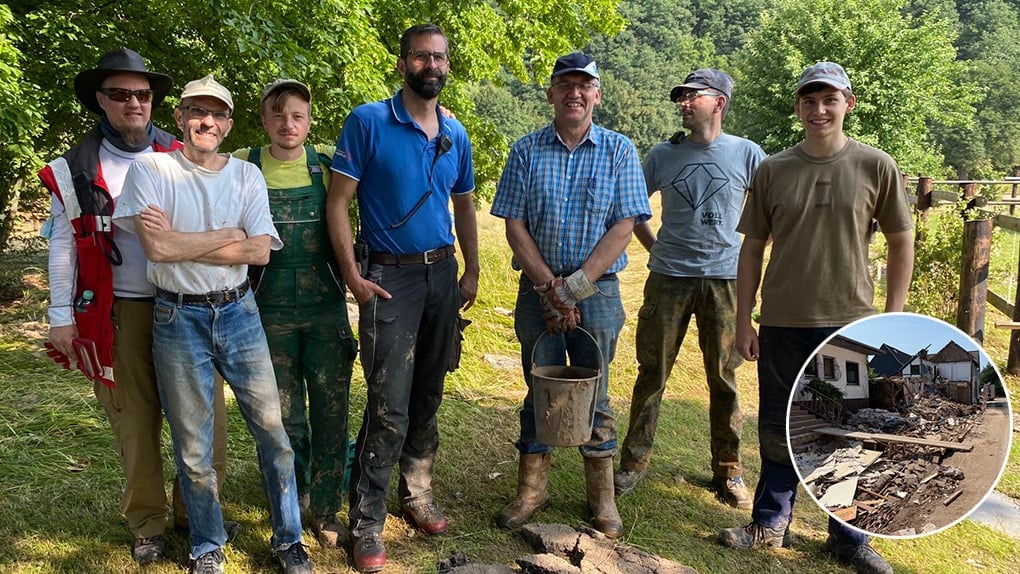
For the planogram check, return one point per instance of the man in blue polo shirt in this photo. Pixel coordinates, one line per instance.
(404, 160)
(570, 195)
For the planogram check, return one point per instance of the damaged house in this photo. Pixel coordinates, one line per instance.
(956, 373)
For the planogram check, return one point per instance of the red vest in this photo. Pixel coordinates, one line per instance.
(76, 179)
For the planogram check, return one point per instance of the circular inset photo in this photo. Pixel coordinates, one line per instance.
(899, 425)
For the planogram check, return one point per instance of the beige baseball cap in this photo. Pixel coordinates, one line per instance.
(285, 83)
(207, 86)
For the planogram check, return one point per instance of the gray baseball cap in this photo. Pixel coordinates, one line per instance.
(705, 78)
(828, 73)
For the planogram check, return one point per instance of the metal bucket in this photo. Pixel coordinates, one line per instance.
(564, 399)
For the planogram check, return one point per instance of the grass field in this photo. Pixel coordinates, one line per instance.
(60, 479)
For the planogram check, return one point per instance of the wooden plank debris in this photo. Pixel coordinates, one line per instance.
(878, 437)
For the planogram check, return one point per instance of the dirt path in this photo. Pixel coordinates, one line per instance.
(981, 466)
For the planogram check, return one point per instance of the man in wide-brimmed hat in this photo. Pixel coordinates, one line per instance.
(98, 288)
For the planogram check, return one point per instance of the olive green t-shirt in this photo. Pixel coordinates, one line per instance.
(819, 213)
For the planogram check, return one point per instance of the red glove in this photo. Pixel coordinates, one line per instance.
(560, 316)
(58, 357)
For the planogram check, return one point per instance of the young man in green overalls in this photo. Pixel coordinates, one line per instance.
(304, 312)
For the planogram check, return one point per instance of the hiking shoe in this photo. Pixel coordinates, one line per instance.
(734, 492)
(329, 531)
(149, 550)
(232, 528)
(294, 559)
(625, 481)
(208, 563)
(754, 535)
(369, 552)
(864, 558)
(426, 516)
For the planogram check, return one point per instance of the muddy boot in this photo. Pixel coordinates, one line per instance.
(532, 490)
(598, 474)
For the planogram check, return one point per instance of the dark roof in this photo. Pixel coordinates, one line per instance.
(890, 361)
(953, 353)
(851, 345)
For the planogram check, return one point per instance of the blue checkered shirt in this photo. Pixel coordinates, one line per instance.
(570, 199)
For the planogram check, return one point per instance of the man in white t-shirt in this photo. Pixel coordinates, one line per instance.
(88, 255)
(202, 218)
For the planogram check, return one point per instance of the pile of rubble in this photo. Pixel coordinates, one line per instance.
(931, 416)
(893, 491)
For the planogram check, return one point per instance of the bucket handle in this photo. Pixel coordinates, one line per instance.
(598, 377)
(582, 329)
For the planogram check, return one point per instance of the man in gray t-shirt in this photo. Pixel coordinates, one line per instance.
(703, 177)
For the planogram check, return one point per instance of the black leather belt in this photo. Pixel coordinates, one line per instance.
(211, 298)
(427, 258)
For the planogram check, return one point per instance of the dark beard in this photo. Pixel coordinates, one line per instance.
(425, 89)
(135, 136)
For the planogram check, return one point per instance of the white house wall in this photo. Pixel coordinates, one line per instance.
(842, 356)
(955, 371)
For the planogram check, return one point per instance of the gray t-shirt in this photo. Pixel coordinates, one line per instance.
(703, 187)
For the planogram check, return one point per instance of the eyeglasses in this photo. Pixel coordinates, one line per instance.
(199, 113)
(691, 96)
(567, 87)
(122, 95)
(422, 56)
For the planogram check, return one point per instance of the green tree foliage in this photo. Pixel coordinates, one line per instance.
(904, 72)
(990, 41)
(641, 65)
(20, 122)
(345, 50)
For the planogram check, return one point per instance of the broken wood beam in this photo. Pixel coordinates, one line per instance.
(891, 438)
(952, 497)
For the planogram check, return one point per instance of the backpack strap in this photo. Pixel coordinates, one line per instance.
(255, 157)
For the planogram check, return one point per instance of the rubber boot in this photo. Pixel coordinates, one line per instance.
(598, 474)
(532, 490)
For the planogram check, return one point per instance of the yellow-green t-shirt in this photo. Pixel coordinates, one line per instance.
(288, 174)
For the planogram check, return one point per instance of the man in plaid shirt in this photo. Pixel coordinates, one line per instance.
(571, 194)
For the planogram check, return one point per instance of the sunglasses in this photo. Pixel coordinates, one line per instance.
(122, 95)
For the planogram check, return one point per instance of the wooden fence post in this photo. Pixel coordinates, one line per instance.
(924, 185)
(1013, 362)
(1012, 193)
(977, 245)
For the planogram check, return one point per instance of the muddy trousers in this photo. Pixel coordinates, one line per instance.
(405, 351)
(136, 416)
(662, 324)
(313, 356)
(784, 350)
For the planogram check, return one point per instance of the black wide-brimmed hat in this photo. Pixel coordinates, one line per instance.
(119, 61)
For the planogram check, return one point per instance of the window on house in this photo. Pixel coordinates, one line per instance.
(853, 373)
(829, 367)
(915, 369)
(811, 370)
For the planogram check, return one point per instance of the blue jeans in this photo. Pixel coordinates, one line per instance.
(189, 343)
(602, 315)
(784, 350)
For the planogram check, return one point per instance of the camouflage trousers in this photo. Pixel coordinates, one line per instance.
(662, 324)
(313, 350)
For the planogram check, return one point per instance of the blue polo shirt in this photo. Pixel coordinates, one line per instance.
(396, 166)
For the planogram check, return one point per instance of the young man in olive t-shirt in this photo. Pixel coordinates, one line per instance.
(816, 201)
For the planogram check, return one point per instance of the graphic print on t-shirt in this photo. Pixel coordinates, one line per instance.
(697, 183)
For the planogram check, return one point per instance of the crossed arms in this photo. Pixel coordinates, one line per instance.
(227, 246)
